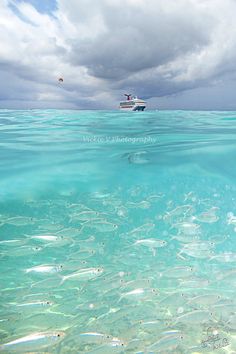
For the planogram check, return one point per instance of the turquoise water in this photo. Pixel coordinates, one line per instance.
(117, 232)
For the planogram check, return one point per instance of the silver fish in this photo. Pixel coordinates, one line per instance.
(196, 253)
(207, 217)
(100, 225)
(195, 317)
(225, 257)
(20, 220)
(180, 211)
(34, 341)
(173, 300)
(139, 205)
(167, 342)
(83, 274)
(13, 242)
(205, 300)
(141, 229)
(185, 238)
(84, 216)
(151, 243)
(178, 272)
(24, 251)
(94, 337)
(198, 246)
(189, 228)
(45, 268)
(47, 238)
(140, 293)
(114, 346)
(195, 283)
(33, 306)
(223, 311)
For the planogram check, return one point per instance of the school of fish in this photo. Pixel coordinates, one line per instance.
(127, 271)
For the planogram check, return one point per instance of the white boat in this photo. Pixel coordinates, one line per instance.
(132, 104)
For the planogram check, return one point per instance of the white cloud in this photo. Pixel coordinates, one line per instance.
(102, 48)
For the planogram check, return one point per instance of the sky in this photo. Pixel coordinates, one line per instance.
(176, 54)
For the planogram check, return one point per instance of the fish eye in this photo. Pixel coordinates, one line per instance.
(58, 335)
(47, 302)
(181, 337)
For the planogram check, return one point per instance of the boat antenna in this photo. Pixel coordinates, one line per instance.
(128, 96)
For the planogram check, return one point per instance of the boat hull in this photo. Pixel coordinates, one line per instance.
(133, 105)
(134, 108)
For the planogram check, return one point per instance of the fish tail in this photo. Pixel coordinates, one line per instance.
(72, 243)
(82, 227)
(210, 259)
(62, 280)
(120, 299)
(180, 256)
(128, 246)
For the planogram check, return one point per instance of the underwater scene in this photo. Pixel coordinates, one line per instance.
(117, 232)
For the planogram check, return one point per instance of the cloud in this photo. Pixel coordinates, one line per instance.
(103, 48)
(139, 37)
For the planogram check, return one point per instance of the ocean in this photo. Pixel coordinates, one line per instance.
(117, 232)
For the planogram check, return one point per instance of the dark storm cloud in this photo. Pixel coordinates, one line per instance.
(154, 48)
(136, 39)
